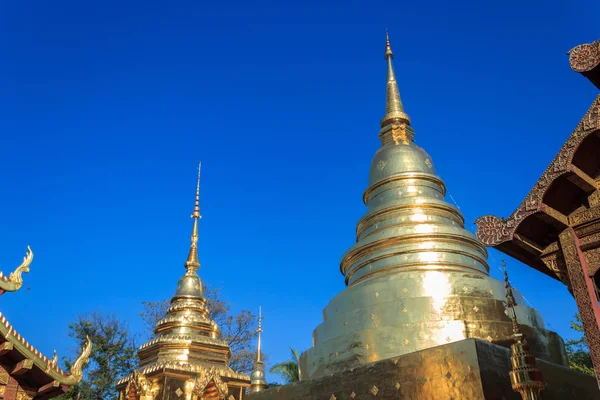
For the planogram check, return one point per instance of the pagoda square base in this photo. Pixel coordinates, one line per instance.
(466, 370)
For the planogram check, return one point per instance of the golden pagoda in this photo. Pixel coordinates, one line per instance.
(186, 359)
(416, 278)
(525, 378)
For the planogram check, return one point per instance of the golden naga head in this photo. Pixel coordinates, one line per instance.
(77, 367)
(15, 279)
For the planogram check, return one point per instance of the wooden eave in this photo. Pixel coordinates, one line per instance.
(34, 368)
(561, 193)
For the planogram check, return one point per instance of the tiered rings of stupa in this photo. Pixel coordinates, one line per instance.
(416, 278)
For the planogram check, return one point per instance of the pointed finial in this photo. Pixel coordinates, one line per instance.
(394, 110)
(511, 303)
(258, 382)
(259, 331)
(196, 213)
(192, 263)
(388, 47)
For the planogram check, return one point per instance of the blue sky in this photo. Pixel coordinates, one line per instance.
(108, 106)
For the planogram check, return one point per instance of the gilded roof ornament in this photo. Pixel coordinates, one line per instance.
(14, 281)
(525, 378)
(76, 370)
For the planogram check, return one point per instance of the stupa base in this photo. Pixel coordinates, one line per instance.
(466, 370)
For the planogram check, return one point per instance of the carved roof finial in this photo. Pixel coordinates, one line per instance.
(14, 281)
(77, 367)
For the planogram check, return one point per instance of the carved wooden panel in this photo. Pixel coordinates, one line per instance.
(579, 284)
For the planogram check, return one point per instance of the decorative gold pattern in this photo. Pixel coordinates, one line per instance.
(374, 390)
(25, 396)
(399, 134)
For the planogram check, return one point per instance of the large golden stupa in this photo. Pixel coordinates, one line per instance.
(416, 278)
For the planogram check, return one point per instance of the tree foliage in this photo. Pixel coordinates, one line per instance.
(113, 356)
(288, 370)
(239, 331)
(578, 352)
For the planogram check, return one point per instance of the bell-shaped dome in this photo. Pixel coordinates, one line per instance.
(390, 160)
(190, 285)
(257, 375)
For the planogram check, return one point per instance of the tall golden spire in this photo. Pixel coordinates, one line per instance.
(192, 262)
(257, 377)
(259, 331)
(525, 378)
(394, 110)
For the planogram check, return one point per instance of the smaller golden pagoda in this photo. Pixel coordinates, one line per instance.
(525, 378)
(258, 382)
(186, 359)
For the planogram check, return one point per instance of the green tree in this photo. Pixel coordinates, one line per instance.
(239, 331)
(288, 370)
(113, 356)
(578, 352)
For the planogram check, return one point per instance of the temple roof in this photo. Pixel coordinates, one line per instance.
(566, 192)
(28, 365)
